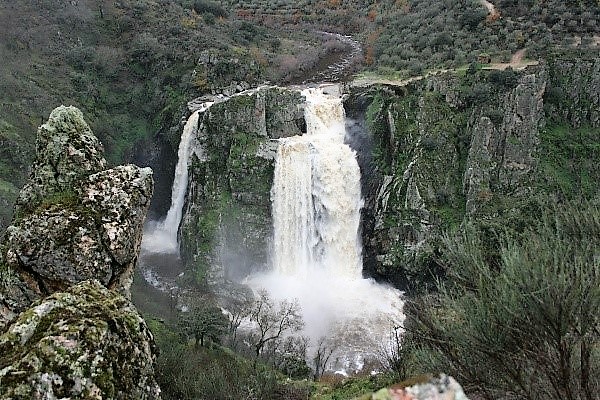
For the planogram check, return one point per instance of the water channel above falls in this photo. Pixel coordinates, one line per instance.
(315, 247)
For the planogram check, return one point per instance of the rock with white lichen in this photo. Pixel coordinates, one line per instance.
(86, 343)
(440, 388)
(74, 220)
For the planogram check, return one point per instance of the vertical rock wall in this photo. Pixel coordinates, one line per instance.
(227, 220)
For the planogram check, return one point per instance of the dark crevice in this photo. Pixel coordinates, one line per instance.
(116, 268)
(34, 276)
(55, 169)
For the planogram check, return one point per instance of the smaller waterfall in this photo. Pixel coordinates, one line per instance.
(162, 237)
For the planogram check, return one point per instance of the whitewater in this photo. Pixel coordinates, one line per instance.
(316, 251)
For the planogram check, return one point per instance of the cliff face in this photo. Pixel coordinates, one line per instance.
(574, 90)
(75, 221)
(479, 147)
(227, 220)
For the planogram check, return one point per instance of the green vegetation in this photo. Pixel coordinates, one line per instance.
(518, 315)
(416, 35)
(203, 321)
(203, 369)
(568, 160)
(352, 388)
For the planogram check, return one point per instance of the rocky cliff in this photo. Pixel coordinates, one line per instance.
(227, 220)
(75, 221)
(484, 147)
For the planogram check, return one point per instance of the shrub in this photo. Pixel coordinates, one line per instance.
(209, 7)
(523, 322)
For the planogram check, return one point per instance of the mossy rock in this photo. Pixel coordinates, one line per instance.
(85, 343)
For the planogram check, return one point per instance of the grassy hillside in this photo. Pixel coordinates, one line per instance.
(130, 66)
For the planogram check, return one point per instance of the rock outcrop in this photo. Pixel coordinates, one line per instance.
(227, 219)
(66, 152)
(86, 343)
(75, 237)
(73, 221)
(574, 89)
(441, 388)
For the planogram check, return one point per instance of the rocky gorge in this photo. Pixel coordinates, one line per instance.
(451, 147)
(473, 146)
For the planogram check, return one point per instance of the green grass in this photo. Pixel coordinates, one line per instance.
(353, 387)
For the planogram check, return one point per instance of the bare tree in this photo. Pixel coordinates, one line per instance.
(237, 312)
(392, 354)
(322, 355)
(273, 321)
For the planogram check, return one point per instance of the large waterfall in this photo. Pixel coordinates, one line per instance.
(316, 195)
(316, 250)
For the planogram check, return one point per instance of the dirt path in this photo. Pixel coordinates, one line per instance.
(368, 81)
(517, 57)
(517, 62)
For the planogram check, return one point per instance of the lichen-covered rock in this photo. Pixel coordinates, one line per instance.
(94, 233)
(86, 343)
(66, 152)
(121, 197)
(85, 224)
(442, 388)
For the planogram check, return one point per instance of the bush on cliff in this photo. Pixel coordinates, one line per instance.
(524, 321)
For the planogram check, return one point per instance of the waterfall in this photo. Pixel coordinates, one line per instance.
(316, 252)
(163, 236)
(316, 195)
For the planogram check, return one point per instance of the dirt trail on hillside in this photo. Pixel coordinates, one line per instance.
(517, 62)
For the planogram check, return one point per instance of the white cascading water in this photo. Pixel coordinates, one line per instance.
(316, 204)
(162, 236)
(316, 195)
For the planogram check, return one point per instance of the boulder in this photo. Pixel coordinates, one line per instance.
(86, 343)
(440, 388)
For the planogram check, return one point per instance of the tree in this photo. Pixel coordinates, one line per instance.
(321, 358)
(203, 321)
(272, 321)
(523, 321)
(238, 311)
